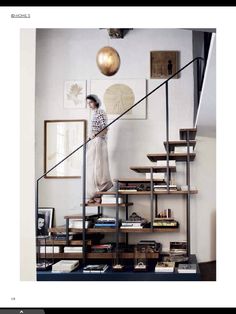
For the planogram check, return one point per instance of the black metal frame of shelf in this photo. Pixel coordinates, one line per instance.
(188, 197)
(84, 145)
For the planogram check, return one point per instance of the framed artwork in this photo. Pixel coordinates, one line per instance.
(164, 64)
(75, 94)
(45, 221)
(119, 95)
(62, 137)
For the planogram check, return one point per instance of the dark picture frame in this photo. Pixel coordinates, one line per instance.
(45, 221)
(164, 64)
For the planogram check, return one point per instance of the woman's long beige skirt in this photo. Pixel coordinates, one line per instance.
(97, 167)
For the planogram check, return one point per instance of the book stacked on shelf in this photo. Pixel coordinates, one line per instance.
(177, 252)
(163, 187)
(187, 268)
(134, 221)
(165, 223)
(44, 265)
(165, 267)
(111, 199)
(50, 249)
(102, 248)
(183, 149)
(159, 176)
(73, 249)
(163, 163)
(78, 223)
(130, 224)
(65, 266)
(178, 248)
(62, 236)
(95, 269)
(104, 222)
(128, 188)
(175, 258)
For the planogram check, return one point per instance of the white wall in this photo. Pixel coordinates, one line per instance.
(27, 181)
(67, 54)
(203, 217)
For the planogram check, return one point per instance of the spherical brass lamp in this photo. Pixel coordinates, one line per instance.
(108, 60)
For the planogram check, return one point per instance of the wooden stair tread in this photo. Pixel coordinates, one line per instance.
(144, 169)
(188, 129)
(172, 156)
(129, 180)
(183, 133)
(107, 205)
(180, 143)
(63, 242)
(113, 230)
(148, 192)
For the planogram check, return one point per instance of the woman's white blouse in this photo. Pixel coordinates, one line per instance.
(98, 121)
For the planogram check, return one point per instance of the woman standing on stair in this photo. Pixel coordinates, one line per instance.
(98, 173)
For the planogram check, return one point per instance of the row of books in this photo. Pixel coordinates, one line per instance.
(136, 224)
(59, 249)
(105, 222)
(169, 267)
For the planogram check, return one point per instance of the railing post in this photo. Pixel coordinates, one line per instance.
(84, 201)
(36, 207)
(152, 196)
(117, 219)
(188, 197)
(36, 223)
(167, 139)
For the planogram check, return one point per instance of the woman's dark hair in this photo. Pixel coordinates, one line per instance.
(94, 98)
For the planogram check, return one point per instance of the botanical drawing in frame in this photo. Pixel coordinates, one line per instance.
(164, 64)
(45, 221)
(62, 137)
(119, 95)
(75, 94)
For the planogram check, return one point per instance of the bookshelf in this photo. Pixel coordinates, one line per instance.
(187, 139)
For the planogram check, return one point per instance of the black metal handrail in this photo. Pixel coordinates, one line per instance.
(113, 121)
(198, 59)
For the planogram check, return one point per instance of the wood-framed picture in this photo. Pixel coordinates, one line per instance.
(45, 221)
(164, 64)
(61, 138)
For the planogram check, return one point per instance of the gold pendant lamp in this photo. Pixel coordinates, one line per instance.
(108, 61)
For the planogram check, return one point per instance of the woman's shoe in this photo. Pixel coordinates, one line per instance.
(91, 201)
(98, 199)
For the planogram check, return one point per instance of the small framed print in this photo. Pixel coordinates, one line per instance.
(75, 94)
(164, 64)
(45, 220)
